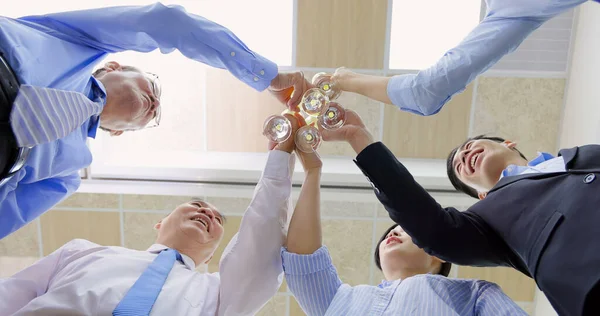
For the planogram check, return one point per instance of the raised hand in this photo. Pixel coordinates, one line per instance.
(288, 88)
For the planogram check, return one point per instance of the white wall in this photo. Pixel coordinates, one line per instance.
(581, 117)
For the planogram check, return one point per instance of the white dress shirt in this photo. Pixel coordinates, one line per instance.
(84, 278)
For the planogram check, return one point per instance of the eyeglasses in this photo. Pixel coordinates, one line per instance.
(156, 90)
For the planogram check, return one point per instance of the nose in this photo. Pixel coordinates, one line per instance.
(208, 212)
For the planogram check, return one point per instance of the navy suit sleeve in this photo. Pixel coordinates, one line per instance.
(458, 237)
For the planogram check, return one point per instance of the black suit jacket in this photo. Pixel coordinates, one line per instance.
(545, 225)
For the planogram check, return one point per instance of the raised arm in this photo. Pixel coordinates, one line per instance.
(250, 269)
(309, 271)
(21, 204)
(457, 237)
(506, 25)
(168, 28)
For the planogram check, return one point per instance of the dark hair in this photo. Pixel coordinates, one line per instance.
(459, 185)
(444, 269)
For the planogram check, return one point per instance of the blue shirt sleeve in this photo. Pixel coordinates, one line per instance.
(28, 201)
(312, 279)
(505, 27)
(168, 28)
(491, 301)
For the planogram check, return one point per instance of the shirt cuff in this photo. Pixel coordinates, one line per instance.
(280, 165)
(295, 264)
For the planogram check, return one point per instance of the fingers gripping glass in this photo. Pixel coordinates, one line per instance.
(156, 91)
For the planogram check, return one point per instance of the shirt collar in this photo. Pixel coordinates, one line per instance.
(514, 170)
(98, 95)
(385, 283)
(187, 261)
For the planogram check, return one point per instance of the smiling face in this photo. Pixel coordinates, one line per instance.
(479, 162)
(132, 98)
(194, 229)
(400, 257)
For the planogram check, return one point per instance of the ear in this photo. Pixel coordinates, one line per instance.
(509, 144)
(158, 225)
(116, 133)
(482, 195)
(112, 66)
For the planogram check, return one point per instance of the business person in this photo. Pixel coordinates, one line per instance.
(84, 278)
(539, 217)
(506, 25)
(416, 283)
(50, 103)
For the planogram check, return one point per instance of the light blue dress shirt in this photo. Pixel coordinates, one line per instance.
(543, 163)
(61, 50)
(315, 283)
(505, 26)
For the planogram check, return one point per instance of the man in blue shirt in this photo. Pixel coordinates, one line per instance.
(61, 50)
(505, 26)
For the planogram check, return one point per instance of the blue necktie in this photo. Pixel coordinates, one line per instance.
(141, 296)
(40, 115)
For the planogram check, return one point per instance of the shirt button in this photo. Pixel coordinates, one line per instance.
(262, 72)
(232, 54)
(255, 78)
(589, 178)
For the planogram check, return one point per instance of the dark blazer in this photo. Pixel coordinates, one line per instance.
(546, 225)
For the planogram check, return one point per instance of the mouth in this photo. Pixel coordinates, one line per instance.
(394, 240)
(202, 220)
(473, 159)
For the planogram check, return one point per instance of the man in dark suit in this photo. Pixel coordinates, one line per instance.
(540, 217)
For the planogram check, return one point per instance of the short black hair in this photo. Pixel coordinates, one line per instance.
(444, 269)
(459, 185)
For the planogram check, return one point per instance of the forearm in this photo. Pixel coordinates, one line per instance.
(304, 235)
(29, 200)
(168, 28)
(374, 87)
(426, 92)
(250, 268)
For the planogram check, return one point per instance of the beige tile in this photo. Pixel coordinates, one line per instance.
(349, 242)
(236, 114)
(154, 202)
(295, 309)
(413, 136)
(524, 110)
(139, 229)
(344, 208)
(22, 243)
(232, 226)
(229, 205)
(60, 227)
(369, 111)
(382, 212)
(380, 228)
(11, 264)
(336, 33)
(91, 200)
(277, 306)
(515, 284)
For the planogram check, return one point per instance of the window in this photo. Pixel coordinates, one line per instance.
(422, 31)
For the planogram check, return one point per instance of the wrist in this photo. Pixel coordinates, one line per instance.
(361, 140)
(313, 172)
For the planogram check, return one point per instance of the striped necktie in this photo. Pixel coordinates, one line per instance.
(141, 296)
(40, 115)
